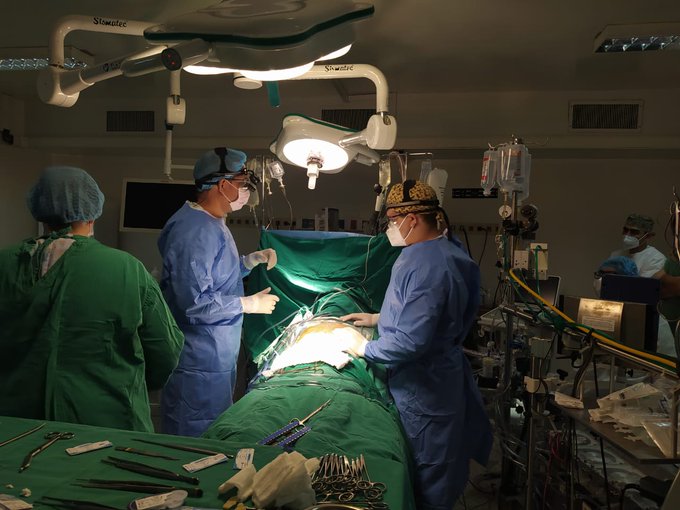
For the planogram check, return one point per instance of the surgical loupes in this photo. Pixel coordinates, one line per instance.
(287, 435)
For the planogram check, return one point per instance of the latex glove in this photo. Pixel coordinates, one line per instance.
(262, 302)
(260, 257)
(362, 319)
(352, 342)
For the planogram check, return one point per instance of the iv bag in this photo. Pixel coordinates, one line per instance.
(515, 168)
(490, 170)
(436, 179)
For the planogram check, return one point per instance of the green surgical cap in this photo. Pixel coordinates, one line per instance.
(65, 194)
(644, 223)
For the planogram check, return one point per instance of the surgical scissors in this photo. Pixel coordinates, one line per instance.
(52, 437)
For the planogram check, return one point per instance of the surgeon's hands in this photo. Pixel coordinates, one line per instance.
(260, 257)
(362, 319)
(351, 341)
(262, 302)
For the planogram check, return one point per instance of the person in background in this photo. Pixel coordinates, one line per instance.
(85, 330)
(202, 283)
(637, 232)
(430, 305)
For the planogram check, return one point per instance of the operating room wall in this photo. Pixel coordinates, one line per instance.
(583, 200)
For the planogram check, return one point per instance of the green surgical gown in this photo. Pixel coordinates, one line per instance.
(84, 342)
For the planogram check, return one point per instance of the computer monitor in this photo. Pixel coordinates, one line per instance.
(632, 289)
(638, 327)
(548, 289)
(148, 204)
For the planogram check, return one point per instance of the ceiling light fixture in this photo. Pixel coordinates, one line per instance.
(638, 37)
(321, 147)
(277, 74)
(316, 145)
(336, 54)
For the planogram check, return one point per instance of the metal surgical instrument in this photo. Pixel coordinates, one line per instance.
(52, 437)
(74, 504)
(144, 469)
(144, 452)
(282, 438)
(183, 448)
(23, 434)
(138, 486)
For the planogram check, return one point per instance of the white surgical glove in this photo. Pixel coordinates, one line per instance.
(260, 257)
(262, 302)
(362, 319)
(351, 341)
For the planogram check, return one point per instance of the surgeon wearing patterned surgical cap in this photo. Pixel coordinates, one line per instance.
(202, 283)
(430, 305)
(85, 330)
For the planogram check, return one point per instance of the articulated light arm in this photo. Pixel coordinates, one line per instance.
(332, 71)
(61, 87)
(381, 131)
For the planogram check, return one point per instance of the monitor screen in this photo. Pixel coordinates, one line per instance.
(148, 204)
(633, 289)
(548, 289)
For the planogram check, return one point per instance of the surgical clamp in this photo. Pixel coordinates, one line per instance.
(52, 437)
(23, 434)
(296, 434)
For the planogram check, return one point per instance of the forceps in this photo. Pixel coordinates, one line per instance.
(52, 437)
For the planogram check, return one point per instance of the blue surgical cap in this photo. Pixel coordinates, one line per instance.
(64, 194)
(211, 163)
(621, 265)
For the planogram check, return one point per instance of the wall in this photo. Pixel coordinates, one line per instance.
(583, 183)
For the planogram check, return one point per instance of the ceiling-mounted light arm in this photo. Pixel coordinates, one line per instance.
(68, 24)
(381, 131)
(175, 114)
(334, 71)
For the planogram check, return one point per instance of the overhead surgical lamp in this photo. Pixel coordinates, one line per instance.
(316, 145)
(320, 146)
(249, 37)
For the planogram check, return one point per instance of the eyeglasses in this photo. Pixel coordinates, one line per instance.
(392, 220)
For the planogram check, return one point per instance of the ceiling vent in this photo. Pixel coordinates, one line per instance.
(353, 118)
(130, 121)
(612, 115)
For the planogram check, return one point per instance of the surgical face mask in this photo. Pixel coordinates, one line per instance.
(241, 200)
(394, 234)
(630, 242)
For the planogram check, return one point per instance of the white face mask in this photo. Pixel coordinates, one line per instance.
(241, 200)
(630, 242)
(394, 234)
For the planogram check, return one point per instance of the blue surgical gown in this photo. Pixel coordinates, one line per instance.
(429, 307)
(202, 283)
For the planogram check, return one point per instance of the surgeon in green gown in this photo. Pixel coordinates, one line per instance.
(84, 329)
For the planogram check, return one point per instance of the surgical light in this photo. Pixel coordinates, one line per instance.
(277, 74)
(336, 54)
(317, 146)
(208, 70)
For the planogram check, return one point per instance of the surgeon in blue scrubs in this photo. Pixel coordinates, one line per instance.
(202, 283)
(430, 305)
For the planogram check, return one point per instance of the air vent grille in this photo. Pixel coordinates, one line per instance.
(130, 121)
(605, 116)
(355, 118)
